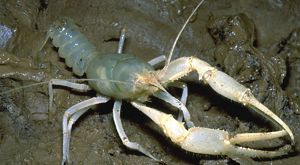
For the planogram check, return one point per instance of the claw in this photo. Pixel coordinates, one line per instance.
(221, 83)
(210, 141)
(218, 142)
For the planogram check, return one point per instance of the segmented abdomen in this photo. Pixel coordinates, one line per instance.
(72, 45)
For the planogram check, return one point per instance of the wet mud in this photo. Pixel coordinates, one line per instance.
(255, 42)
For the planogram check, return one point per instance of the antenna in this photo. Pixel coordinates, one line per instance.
(180, 32)
(71, 80)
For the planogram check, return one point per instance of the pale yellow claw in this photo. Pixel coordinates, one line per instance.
(210, 141)
(221, 83)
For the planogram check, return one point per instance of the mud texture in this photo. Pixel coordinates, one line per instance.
(255, 42)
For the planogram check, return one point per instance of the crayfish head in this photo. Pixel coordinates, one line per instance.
(148, 81)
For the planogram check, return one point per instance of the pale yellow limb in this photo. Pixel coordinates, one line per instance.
(209, 141)
(221, 83)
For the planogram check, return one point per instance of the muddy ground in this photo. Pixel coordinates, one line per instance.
(256, 42)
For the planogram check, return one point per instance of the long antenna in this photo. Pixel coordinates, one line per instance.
(71, 80)
(180, 32)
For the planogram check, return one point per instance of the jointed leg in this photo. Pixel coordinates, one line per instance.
(67, 136)
(70, 116)
(122, 41)
(176, 103)
(184, 95)
(122, 134)
(157, 60)
(76, 86)
(184, 88)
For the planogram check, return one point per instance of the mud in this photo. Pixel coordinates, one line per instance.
(256, 42)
